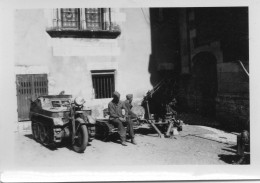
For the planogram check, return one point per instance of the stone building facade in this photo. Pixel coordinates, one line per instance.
(78, 50)
(88, 52)
(205, 45)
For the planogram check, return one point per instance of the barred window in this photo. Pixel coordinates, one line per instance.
(70, 18)
(103, 83)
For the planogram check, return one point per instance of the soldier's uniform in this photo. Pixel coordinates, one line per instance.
(130, 116)
(117, 118)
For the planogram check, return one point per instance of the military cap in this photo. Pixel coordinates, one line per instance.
(129, 96)
(116, 94)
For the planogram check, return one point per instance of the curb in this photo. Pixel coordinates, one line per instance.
(24, 126)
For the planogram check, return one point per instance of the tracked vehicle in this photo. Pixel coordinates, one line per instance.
(55, 118)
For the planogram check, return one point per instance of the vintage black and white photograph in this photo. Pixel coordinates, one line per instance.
(100, 86)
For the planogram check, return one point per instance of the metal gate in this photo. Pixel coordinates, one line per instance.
(29, 87)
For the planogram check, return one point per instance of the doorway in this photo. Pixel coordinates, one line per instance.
(28, 88)
(205, 83)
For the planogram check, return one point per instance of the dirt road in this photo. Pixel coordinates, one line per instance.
(195, 145)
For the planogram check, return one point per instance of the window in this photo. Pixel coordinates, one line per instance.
(93, 18)
(103, 83)
(84, 23)
(70, 18)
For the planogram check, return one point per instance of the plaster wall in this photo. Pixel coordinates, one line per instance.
(69, 61)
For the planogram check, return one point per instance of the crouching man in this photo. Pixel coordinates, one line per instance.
(117, 118)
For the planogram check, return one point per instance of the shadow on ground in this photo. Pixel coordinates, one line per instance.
(65, 143)
(197, 119)
(114, 137)
(50, 147)
(234, 158)
(145, 131)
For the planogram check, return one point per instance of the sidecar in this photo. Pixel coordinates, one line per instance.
(105, 129)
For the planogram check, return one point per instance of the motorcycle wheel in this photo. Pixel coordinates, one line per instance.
(81, 139)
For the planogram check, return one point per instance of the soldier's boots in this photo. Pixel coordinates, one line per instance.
(133, 141)
(123, 143)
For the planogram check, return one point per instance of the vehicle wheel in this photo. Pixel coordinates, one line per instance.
(42, 133)
(33, 128)
(48, 135)
(81, 139)
(36, 131)
(102, 132)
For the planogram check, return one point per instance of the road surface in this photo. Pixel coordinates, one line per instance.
(195, 145)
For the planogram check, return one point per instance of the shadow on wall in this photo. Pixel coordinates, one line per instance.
(164, 61)
(199, 90)
(154, 75)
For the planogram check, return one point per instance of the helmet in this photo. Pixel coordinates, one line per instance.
(79, 101)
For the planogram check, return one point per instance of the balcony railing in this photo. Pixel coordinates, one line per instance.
(106, 29)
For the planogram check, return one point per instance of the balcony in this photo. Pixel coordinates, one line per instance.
(98, 34)
(83, 23)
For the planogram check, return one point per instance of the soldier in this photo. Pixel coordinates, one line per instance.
(171, 107)
(128, 105)
(117, 118)
(130, 115)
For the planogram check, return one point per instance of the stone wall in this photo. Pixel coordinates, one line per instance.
(232, 102)
(231, 99)
(232, 111)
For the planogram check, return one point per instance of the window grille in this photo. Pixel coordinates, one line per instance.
(70, 18)
(93, 18)
(103, 83)
(84, 23)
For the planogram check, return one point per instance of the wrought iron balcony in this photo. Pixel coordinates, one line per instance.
(107, 31)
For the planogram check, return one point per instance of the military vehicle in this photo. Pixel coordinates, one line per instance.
(55, 118)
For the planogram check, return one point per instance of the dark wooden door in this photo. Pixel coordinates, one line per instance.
(29, 87)
(205, 75)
